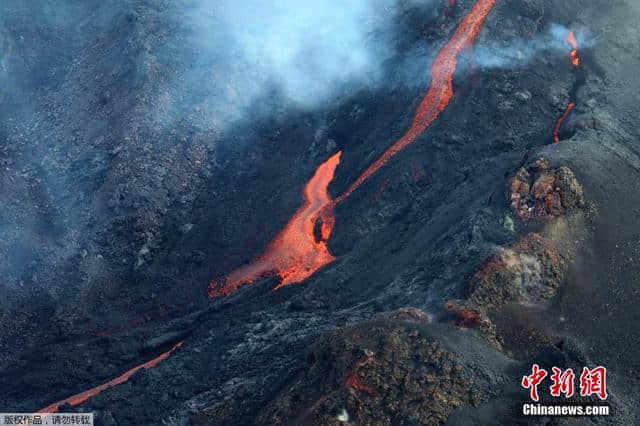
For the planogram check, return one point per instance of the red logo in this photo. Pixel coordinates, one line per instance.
(592, 382)
(562, 382)
(532, 381)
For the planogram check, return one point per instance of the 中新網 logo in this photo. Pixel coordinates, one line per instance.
(592, 382)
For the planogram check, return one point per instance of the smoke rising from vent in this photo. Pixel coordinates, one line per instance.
(521, 52)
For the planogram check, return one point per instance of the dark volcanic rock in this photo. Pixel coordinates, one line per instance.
(468, 315)
(388, 370)
(528, 272)
(540, 193)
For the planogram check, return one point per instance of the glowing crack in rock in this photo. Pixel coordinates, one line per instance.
(561, 120)
(575, 58)
(575, 61)
(296, 253)
(86, 395)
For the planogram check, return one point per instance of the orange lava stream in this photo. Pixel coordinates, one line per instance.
(575, 61)
(575, 58)
(561, 120)
(295, 254)
(84, 396)
(440, 92)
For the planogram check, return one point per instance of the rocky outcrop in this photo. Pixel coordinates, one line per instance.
(540, 193)
(381, 371)
(523, 277)
(528, 272)
(465, 314)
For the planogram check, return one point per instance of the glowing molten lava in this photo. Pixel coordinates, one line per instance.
(84, 396)
(441, 90)
(296, 253)
(575, 59)
(561, 120)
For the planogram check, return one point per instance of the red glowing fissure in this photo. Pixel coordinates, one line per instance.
(561, 120)
(296, 253)
(575, 58)
(84, 396)
(575, 61)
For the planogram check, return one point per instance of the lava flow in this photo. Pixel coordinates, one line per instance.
(84, 396)
(296, 253)
(441, 90)
(561, 120)
(575, 59)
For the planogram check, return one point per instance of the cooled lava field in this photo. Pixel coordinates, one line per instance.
(377, 212)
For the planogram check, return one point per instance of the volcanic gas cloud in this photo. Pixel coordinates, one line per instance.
(296, 253)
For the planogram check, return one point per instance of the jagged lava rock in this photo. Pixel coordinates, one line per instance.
(528, 272)
(541, 193)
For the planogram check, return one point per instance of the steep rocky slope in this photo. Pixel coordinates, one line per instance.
(126, 190)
